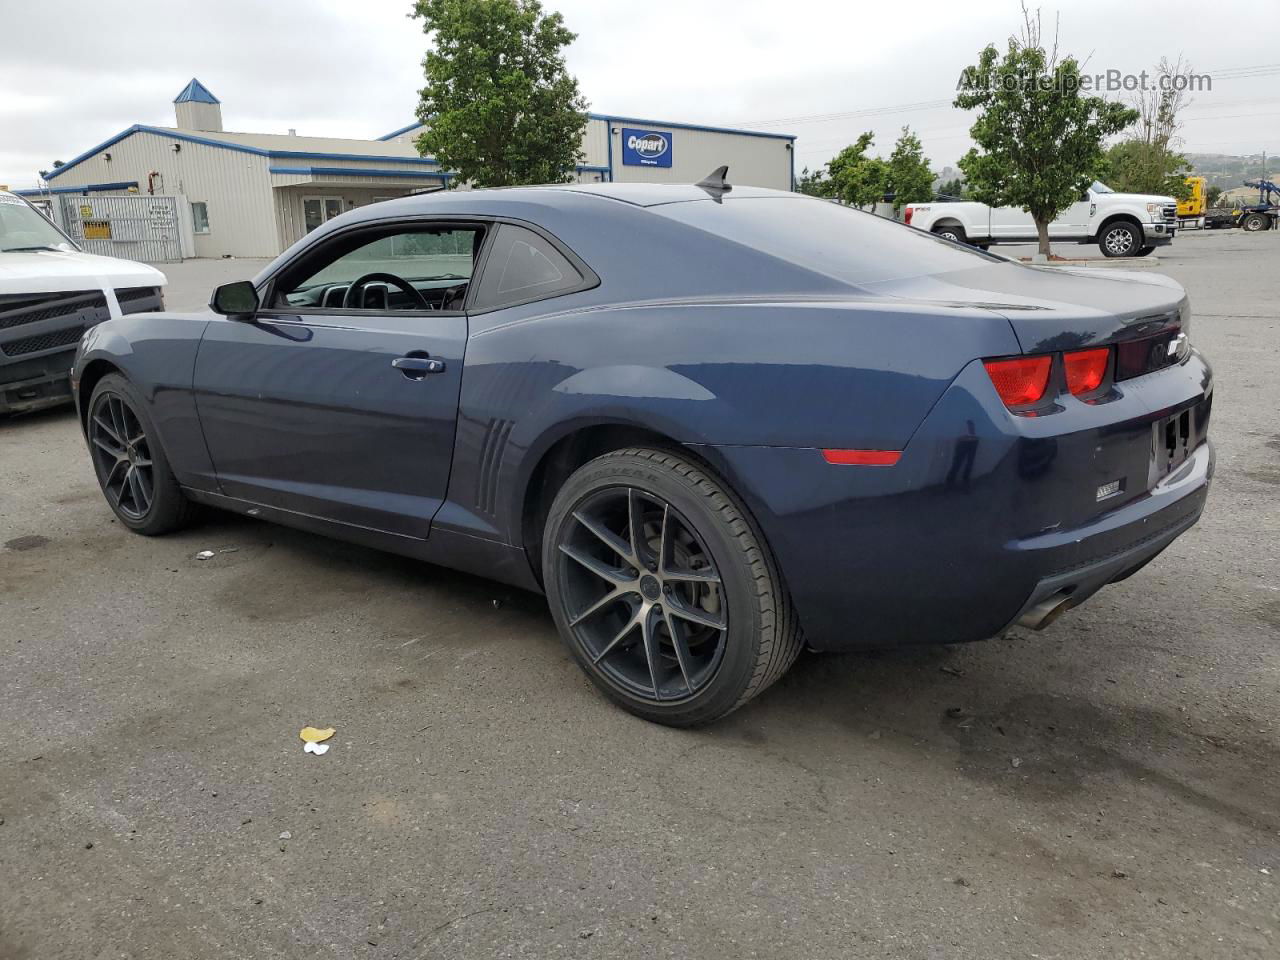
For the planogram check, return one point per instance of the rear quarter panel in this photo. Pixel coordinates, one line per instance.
(847, 373)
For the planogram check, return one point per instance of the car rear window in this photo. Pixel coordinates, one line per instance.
(839, 241)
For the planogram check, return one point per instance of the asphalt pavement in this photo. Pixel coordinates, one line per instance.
(1109, 787)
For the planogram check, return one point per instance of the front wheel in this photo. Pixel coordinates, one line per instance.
(1254, 222)
(663, 590)
(130, 464)
(1120, 240)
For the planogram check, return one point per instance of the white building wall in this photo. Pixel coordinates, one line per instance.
(757, 161)
(753, 161)
(235, 186)
(194, 115)
(595, 143)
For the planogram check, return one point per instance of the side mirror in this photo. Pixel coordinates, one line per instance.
(237, 300)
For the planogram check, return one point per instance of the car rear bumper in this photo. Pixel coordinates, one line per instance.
(1116, 546)
(985, 515)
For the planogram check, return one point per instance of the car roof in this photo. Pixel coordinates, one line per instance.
(562, 195)
(653, 194)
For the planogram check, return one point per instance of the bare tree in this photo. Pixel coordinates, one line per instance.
(1156, 142)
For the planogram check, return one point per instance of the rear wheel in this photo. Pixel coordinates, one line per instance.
(1254, 222)
(1120, 240)
(663, 590)
(952, 232)
(130, 464)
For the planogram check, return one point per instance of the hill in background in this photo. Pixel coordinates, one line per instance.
(1228, 172)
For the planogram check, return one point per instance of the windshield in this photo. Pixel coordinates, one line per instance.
(841, 242)
(22, 228)
(1099, 187)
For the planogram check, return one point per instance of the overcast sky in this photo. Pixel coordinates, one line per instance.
(75, 73)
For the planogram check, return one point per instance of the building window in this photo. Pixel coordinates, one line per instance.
(200, 216)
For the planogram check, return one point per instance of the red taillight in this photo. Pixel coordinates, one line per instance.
(862, 458)
(906, 216)
(1085, 369)
(1019, 380)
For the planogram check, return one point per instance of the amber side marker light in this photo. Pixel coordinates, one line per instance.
(862, 458)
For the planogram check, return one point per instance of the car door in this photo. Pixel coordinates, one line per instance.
(1073, 222)
(339, 398)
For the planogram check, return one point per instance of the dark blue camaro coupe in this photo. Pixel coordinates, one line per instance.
(713, 425)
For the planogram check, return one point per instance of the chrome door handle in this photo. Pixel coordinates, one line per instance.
(415, 368)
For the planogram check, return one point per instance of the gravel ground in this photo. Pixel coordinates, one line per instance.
(1107, 788)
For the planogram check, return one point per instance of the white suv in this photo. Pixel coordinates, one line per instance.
(50, 293)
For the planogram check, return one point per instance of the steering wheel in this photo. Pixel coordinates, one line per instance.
(348, 301)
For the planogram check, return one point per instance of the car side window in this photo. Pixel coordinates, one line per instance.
(523, 266)
(396, 269)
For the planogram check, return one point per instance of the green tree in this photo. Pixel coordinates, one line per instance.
(1212, 196)
(952, 188)
(499, 106)
(857, 179)
(1039, 142)
(814, 183)
(1137, 166)
(909, 178)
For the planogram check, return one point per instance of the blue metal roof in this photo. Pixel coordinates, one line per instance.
(395, 133)
(171, 134)
(87, 188)
(609, 118)
(195, 92)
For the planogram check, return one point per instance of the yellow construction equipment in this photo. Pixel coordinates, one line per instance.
(1191, 211)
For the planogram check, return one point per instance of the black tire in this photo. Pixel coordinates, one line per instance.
(951, 232)
(1120, 239)
(1254, 222)
(1145, 251)
(156, 504)
(757, 636)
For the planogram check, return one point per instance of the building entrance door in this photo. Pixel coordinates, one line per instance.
(317, 210)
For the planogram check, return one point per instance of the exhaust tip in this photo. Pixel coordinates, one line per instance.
(1046, 611)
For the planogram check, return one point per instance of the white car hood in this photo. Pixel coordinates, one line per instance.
(52, 271)
(1139, 197)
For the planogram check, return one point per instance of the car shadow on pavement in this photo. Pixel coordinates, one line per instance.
(36, 418)
(1000, 716)
(1000, 713)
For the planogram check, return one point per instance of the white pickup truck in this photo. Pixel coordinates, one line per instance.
(1121, 224)
(50, 293)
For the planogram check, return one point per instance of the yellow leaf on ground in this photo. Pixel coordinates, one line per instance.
(316, 735)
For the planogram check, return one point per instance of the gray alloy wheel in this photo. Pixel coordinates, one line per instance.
(950, 232)
(130, 464)
(662, 589)
(1253, 222)
(1120, 240)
